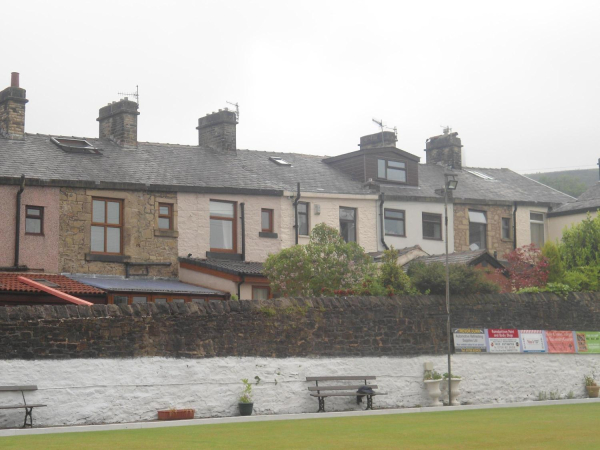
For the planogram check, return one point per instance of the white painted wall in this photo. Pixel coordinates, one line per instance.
(524, 225)
(414, 226)
(92, 391)
(557, 224)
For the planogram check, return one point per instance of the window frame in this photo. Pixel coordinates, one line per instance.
(168, 216)
(393, 168)
(480, 224)
(355, 222)
(106, 225)
(233, 227)
(257, 287)
(403, 220)
(40, 218)
(271, 213)
(307, 214)
(536, 222)
(509, 237)
(423, 221)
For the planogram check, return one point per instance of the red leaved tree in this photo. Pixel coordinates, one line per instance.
(526, 267)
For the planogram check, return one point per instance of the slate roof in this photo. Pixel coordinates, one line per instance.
(117, 284)
(227, 266)
(172, 165)
(588, 201)
(469, 258)
(10, 283)
(506, 186)
(377, 256)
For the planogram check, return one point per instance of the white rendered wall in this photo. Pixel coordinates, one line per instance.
(557, 224)
(414, 226)
(524, 224)
(92, 391)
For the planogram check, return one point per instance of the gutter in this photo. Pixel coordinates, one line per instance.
(59, 294)
(239, 286)
(382, 224)
(243, 219)
(296, 213)
(18, 221)
(515, 226)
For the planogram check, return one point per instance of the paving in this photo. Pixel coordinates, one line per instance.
(267, 418)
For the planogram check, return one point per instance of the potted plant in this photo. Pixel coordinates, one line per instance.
(590, 386)
(245, 403)
(432, 380)
(176, 414)
(454, 382)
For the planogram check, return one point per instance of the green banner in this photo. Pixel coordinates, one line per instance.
(588, 341)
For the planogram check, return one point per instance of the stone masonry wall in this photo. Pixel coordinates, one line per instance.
(142, 241)
(317, 327)
(12, 119)
(494, 215)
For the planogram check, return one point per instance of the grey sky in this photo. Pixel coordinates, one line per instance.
(519, 81)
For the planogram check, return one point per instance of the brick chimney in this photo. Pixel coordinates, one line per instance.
(12, 110)
(118, 122)
(378, 140)
(217, 130)
(445, 148)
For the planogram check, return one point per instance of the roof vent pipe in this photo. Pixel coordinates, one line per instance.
(14, 79)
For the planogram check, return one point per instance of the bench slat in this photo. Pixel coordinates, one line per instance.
(339, 394)
(18, 388)
(22, 406)
(340, 388)
(350, 378)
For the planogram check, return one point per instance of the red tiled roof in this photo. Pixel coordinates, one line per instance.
(9, 282)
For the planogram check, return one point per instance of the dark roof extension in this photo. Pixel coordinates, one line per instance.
(469, 258)
(589, 201)
(227, 266)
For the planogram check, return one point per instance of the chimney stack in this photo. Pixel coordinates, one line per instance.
(118, 123)
(12, 110)
(445, 148)
(217, 130)
(378, 140)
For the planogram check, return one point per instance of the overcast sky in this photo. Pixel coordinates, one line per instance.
(518, 80)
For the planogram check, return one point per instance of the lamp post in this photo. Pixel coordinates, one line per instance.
(450, 184)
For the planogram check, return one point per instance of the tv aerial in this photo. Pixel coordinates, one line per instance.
(135, 94)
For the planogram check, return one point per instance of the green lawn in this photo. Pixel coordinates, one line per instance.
(560, 426)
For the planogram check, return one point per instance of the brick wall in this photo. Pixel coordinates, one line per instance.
(333, 327)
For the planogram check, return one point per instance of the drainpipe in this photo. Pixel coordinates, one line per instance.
(18, 225)
(381, 216)
(515, 227)
(240, 287)
(243, 217)
(296, 213)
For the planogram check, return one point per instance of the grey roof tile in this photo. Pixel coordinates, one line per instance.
(227, 266)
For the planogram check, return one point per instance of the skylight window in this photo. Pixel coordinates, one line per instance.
(280, 161)
(480, 175)
(45, 282)
(74, 145)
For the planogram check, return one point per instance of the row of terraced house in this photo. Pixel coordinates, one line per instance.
(113, 219)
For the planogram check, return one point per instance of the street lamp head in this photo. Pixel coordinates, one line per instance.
(452, 184)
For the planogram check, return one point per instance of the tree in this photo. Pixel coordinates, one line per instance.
(580, 244)
(392, 277)
(527, 267)
(325, 265)
(465, 280)
(556, 270)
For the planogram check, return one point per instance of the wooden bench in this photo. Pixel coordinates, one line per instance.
(28, 408)
(348, 390)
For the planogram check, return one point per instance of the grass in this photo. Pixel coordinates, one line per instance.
(547, 427)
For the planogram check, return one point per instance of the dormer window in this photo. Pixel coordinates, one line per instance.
(73, 145)
(391, 170)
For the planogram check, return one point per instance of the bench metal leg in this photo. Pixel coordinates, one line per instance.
(321, 404)
(28, 412)
(369, 402)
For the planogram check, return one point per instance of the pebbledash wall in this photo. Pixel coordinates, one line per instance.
(113, 363)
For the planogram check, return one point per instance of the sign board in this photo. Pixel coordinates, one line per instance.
(532, 341)
(588, 341)
(503, 341)
(560, 342)
(469, 340)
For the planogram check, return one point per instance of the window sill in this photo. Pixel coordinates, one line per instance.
(432, 239)
(34, 234)
(166, 233)
(396, 235)
(267, 234)
(106, 258)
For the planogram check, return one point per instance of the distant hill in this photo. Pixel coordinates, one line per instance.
(572, 182)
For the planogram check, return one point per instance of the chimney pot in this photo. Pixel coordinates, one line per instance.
(14, 79)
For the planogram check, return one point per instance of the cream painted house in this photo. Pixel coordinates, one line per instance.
(574, 212)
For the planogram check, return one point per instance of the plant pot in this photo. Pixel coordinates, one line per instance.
(245, 409)
(176, 414)
(454, 382)
(592, 391)
(433, 389)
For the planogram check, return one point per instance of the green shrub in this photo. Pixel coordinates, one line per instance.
(583, 279)
(392, 277)
(580, 245)
(556, 270)
(431, 278)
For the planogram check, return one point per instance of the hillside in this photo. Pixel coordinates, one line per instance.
(572, 182)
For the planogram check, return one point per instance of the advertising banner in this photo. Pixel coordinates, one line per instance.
(532, 341)
(503, 341)
(560, 342)
(469, 340)
(588, 341)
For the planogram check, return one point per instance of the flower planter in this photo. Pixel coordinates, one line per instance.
(245, 409)
(176, 414)
(454, 382)
(433, 389)
(592, 391)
